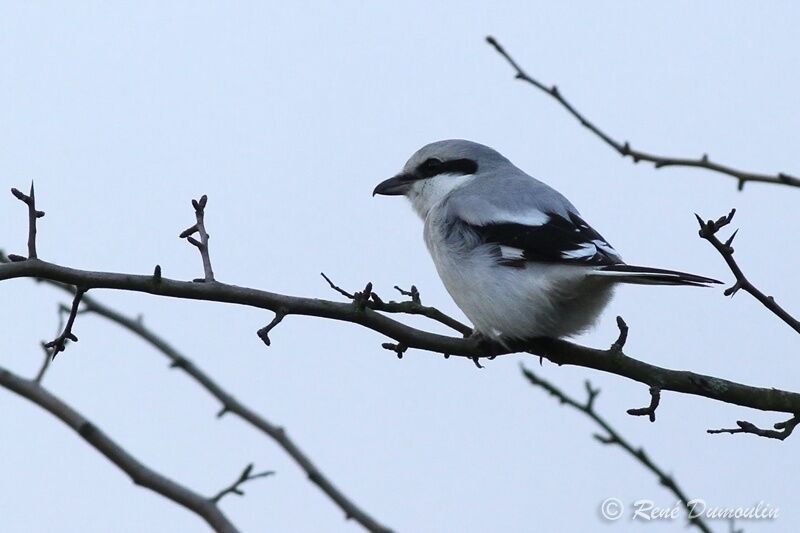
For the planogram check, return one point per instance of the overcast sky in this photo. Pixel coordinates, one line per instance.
(287, 116)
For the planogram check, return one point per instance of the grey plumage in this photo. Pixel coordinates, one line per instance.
(515, 254)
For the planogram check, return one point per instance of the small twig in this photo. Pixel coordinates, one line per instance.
(60, 343)
(336, 287)
(48, 352)
(781, 432)
(413, 294)
(202, 245)
(708, 231)
(244, 477)
(619, 344)
(263, 333)
(399, 349)
(625, 150)
(611, 437)
(410, 307)
(29, 200)
(650, 410)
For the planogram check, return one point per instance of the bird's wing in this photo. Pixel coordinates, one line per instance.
(549, 229)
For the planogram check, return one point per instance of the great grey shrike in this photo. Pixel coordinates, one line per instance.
(514, 254)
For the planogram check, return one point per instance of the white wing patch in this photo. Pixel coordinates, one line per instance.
(528, 218)
(510, 253)
(585, 251)
(590, 249)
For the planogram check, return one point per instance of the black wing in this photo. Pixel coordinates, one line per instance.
(560, 239)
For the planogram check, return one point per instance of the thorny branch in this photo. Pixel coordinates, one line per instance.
(244, 477)
(558, 351)
(232, 405)
(139, 473)
(612, 437)
(708, 231)
(29, 200)
(363, 311)
(625, 150)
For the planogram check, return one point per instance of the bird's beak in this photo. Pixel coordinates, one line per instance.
(394, 186)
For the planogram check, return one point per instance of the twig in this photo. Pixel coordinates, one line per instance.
(619, 344)
(48, 352)
(412, 307)
(650, 410)
(60, 343)
(413, 294)
(263, 333)
(139, 473)
(560, 352)
(230, 404)
(202, 245)
(243, 478)
(708, 231)
(781, 432)
(625, 150)
(29, 200)
(612, 437)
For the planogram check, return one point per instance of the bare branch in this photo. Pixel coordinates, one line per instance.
(781, 431)
(708, 231)
(612, 437)
(202, 245)
(560, 352)
(29, 200)
(232, 405)
(625, 150)
(650, 410)
(60, 343)
(412, 307)
(139, 473)
(244, 477)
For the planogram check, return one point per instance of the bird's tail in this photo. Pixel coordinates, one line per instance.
(623, 273)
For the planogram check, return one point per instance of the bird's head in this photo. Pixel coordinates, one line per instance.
(439, 168)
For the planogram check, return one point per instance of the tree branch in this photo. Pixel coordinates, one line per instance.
(560, 352)
(708, 231)
(625, 150)
(613, 437)
(232, 405)
(139, 473)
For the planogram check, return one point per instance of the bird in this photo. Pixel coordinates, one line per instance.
(513, 253)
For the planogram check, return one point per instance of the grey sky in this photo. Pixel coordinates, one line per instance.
(287, 115)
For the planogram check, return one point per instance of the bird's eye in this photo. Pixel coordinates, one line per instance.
(430, 167)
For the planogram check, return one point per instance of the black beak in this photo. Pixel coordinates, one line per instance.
(395, 186)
